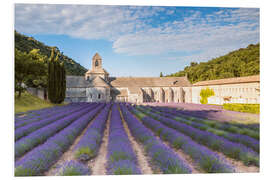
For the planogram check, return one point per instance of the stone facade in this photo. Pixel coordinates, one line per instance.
(231, 90)
(98, 86)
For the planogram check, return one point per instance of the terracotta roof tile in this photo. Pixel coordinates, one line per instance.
(246, 79)
(150, 82)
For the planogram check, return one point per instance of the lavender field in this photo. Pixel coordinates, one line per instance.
(122, 138)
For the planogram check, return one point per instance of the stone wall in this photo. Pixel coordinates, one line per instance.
(98, 94)
(230, 93)
(91, 94)
(38, 92)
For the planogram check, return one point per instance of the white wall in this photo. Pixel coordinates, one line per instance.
(240, 93)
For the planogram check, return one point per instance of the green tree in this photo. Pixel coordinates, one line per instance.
(160, 75)
(28, 67)
(242, 62)
(56, 79)
(205, 94)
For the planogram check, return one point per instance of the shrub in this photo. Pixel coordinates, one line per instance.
(249, 108)
(205, 94)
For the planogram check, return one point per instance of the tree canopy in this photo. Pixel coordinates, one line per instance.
(242, 62)
(30, 68)
(26, 44)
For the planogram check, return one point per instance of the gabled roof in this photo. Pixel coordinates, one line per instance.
(97, 71)
(99, 82)
(96, 56)
(150, 82)
(76, 81)
(80, 82)
(246, 79)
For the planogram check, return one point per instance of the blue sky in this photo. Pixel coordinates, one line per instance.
(139, 40)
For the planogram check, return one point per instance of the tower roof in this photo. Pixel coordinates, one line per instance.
(96, 56)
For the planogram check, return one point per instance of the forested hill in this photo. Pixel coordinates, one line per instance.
(242, 62)
(26, 44)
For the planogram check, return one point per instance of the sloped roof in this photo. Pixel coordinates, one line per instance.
(97, 71)
(80, 82)
(246, 79)
(98, 81)
(150, 82)
(76, 81)
(96, 56)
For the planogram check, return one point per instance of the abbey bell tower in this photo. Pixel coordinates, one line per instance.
(96, 62)
(96, 69)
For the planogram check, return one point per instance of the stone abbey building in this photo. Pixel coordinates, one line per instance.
(98, 86)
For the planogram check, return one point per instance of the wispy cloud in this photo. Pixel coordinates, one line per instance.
(134, 30)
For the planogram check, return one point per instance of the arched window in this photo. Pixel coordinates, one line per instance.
(96, 63)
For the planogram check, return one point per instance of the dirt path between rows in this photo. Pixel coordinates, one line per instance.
(98, 164)
(68, 155)
(187, 159)
(138, 149)
(239, 166)
(195, 168)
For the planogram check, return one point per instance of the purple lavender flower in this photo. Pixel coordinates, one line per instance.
(37, 137)
(121, 157)
(25, 130)
(40, 159)
(234, 150)
(163, 157)
(239, 138)
(73, 168)
(89, 144)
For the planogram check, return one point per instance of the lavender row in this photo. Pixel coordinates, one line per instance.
(121, 158)
(233, 128)
(25, 130)
(208, 160)
(203, 112)
(73, 168)
(239, 138)
(36, 113)
(89, 144)
(231, 149)
(30, 114)
(162, 156)
(39, 136)
(44, 156)
(43, 116)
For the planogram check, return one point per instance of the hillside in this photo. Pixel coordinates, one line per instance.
(26, 44)
(242, 62)
(29, 102)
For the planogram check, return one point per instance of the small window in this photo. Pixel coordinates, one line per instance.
(99, 96)
(96, 63)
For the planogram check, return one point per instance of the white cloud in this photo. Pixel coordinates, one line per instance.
(131, 31)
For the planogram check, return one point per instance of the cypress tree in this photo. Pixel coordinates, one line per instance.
(63, 82)
(50, 77)
(56, 80)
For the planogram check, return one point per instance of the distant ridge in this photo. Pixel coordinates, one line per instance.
(26, 44)
(239, 63)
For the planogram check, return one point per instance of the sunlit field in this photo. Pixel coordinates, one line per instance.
(122, 138)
